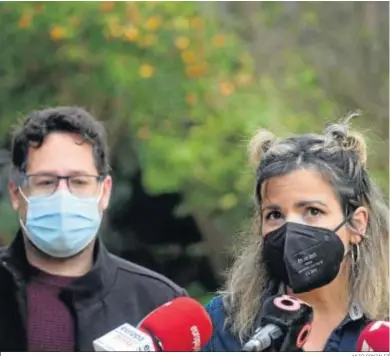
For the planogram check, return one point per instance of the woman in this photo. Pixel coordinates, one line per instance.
(314, 190)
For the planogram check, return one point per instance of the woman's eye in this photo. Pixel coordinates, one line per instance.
(274, 215)
(314, 211)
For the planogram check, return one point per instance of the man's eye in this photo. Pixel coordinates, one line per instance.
(43, 183)
(79, 181)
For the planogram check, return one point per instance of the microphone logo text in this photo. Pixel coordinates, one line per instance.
(133, 334)
(195, 338)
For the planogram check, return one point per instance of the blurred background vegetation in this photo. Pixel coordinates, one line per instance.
(181, 87)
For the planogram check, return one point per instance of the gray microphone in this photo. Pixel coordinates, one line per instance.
(284, 325)
(263, 338)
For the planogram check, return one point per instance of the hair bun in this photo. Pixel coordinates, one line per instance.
(337, 132)
(357, 143)
(349, 140)
(259, 145)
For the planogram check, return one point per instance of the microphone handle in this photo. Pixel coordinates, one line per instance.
(263, 339)
(156, 341)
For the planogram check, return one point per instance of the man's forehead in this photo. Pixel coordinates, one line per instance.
(59, 136)
(62, 152)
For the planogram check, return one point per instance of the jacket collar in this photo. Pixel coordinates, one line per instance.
(97, 281)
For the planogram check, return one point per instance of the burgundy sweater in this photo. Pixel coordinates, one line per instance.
(50, 323)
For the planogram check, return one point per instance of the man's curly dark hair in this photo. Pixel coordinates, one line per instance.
(39, 124)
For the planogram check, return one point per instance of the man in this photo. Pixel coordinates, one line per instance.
(59, 287)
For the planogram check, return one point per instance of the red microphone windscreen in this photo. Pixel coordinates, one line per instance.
(375, 337)
(180, 325)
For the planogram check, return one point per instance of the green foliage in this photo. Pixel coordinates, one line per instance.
(205, 298)
(198, 293)
(173, 83)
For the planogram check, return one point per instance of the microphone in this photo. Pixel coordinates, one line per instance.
(125, 338)
(375, 337)
(285, 324)
(179, 325)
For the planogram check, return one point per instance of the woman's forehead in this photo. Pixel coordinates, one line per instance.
(299, 185)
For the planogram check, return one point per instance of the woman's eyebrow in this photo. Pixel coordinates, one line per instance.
(302, 203)
(271, 207)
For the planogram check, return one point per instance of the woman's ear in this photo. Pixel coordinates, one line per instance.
(359, 224)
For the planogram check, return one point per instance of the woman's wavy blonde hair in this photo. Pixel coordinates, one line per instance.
(341, 155)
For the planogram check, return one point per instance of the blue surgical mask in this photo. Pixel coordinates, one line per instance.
(62, 225)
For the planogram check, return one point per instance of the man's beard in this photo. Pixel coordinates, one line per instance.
(45, 256)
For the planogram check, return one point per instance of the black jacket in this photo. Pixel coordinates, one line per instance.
(112, 293)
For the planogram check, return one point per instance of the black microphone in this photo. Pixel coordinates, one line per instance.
(284, 325)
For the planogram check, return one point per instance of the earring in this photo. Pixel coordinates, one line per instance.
(357, 253)
(355, 257)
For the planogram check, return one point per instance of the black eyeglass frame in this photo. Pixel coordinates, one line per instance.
(26, 177)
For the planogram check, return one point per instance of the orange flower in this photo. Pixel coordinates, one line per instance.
(146, 71)
(143, 133)
(153, 23)
(107, 6)
(191, 99)
(182, 42)
(188, 57)
(196, 70)
(197, 23)
(57, 33)
(226, 88)
(218, 40)
(131, 34)
(25, 21)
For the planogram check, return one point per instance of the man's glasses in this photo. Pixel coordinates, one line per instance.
(47, 184)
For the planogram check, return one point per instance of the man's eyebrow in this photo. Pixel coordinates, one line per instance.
(53, 173)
